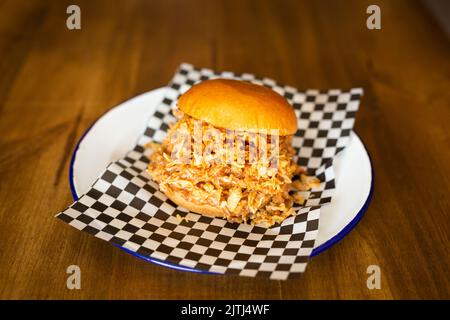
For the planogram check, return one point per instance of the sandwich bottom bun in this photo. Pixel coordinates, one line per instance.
(204, 209)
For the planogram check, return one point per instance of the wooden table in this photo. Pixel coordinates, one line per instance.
(55, 82)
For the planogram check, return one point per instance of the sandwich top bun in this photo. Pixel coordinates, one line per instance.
(239, 105)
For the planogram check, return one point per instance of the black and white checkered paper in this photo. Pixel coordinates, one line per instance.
(126, 208)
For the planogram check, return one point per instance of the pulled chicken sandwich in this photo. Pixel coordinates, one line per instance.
(230, 154)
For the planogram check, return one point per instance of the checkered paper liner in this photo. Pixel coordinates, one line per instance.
(125, 207)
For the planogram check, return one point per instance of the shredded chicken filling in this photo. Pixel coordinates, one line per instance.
(249, 179)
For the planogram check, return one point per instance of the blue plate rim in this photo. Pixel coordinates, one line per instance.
(324, 246)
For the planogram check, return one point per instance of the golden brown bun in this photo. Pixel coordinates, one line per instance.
(208, 210)
(239, 105)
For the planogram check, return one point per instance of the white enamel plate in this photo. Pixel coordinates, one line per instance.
(117, 132)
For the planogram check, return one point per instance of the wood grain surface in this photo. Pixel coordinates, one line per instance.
(55, 82)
